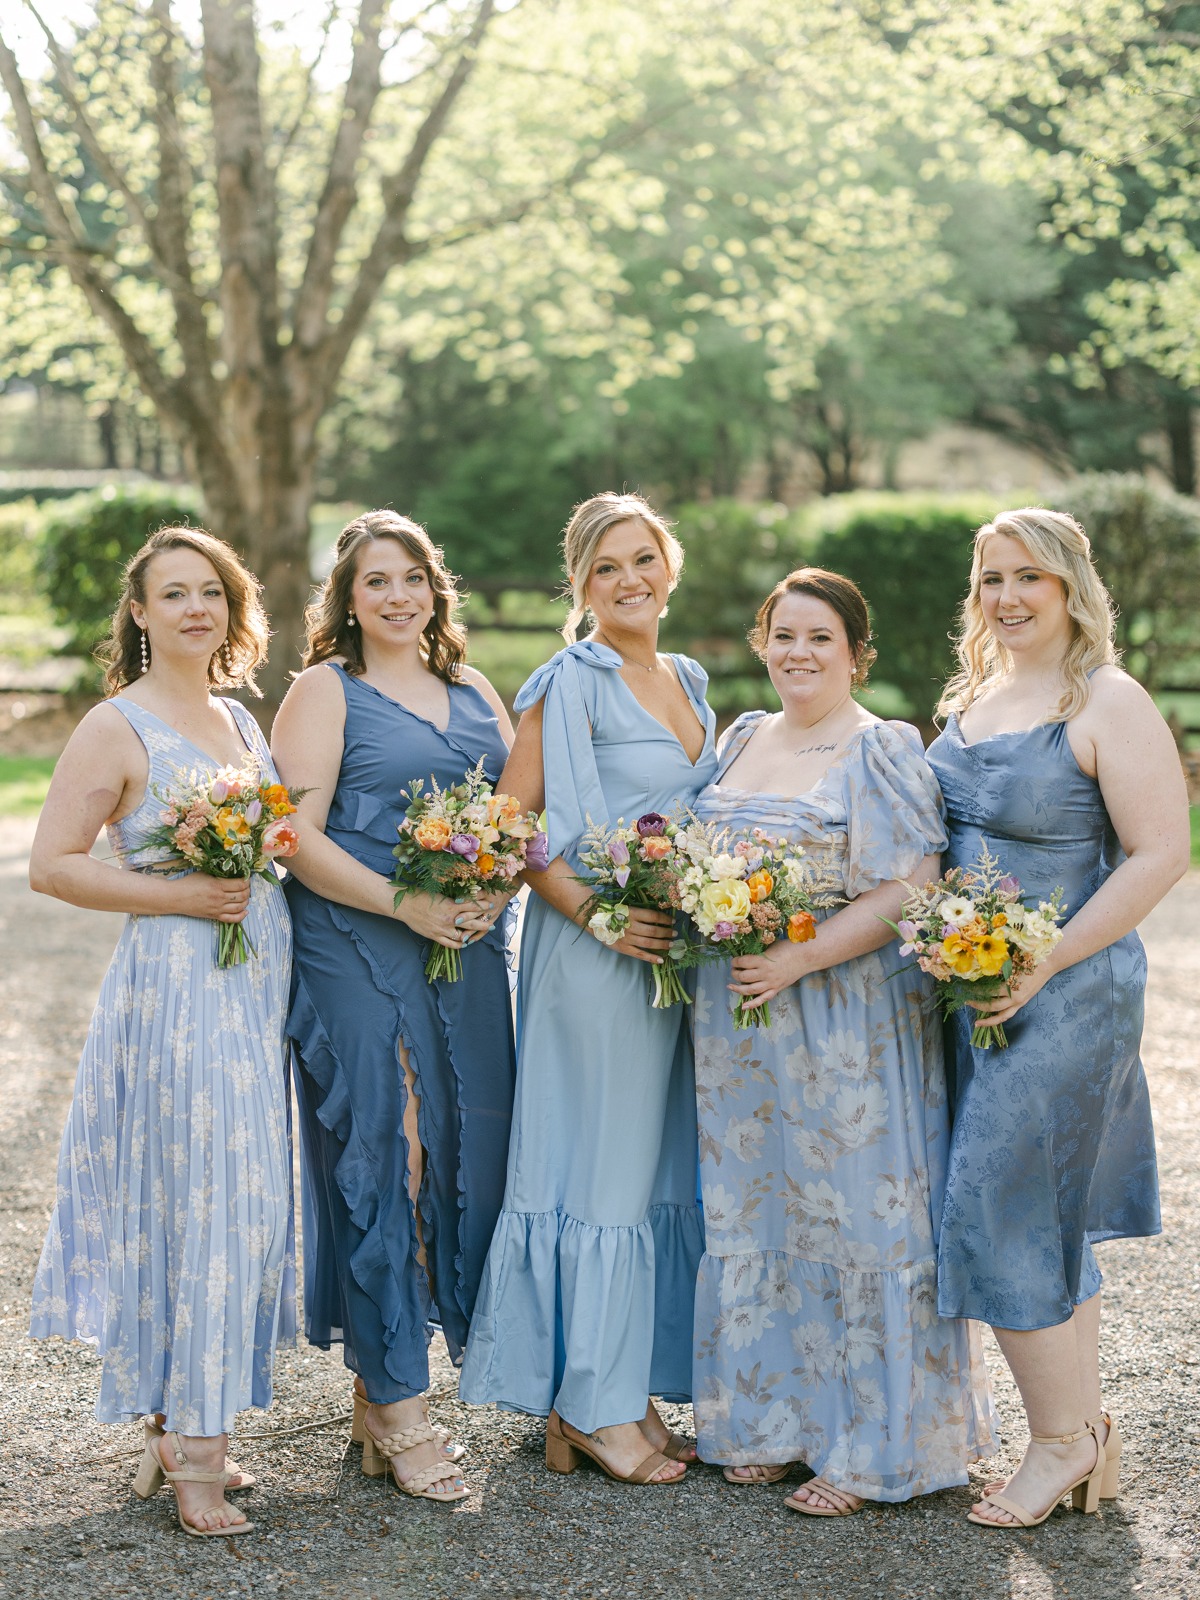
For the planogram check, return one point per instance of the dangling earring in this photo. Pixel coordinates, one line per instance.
(349, 619)
(145, 651)
(226, 657)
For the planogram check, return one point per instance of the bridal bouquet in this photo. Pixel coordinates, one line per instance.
(462, 843)
(637, 867)
(744, 893)
(230, 826)
(973, 932)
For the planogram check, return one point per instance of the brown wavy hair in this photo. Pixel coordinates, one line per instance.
(1060, 547)
(244, 649)
(841, 595)
(329, 634)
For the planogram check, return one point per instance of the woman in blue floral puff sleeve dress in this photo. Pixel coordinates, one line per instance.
(585, 1307)
(823, 1136)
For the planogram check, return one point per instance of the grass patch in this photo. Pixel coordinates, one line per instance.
(23, 784)
(1194, 813)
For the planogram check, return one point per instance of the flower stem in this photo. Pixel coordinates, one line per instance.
(668, 989)
(986, 1036)
(746, 1016)
(444, 963)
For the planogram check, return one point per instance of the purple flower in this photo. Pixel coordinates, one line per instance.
(724, 930)
(537, 852)
(651, 825)
(908, 933)
(253, 812)
(621, 875)
(618, 852)
(1009, 885)
(464, 844)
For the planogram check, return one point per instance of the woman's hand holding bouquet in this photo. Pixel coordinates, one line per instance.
(744, 895)
(633, 873)
(466, 846)
(229, 827)
(977, 938)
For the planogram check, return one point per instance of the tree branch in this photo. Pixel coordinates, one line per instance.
(340, 193)
(391, 247)
(289, 136)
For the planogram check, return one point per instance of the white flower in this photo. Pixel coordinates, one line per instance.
(826, 1205)
(721, 1208)
(744, 1137)
(814, 1074)
(891, 1201)
(815, 1353)
(727, 866)
(859, 1116)
(746, 1325)
(868, 1399)
(602, 923)
(956, 908)
(714, 1060)
(845, 1053)
(812, 1149)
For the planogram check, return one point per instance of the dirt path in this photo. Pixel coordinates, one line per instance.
(71, 1530)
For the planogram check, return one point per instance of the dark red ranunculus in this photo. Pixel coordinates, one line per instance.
(651, 825)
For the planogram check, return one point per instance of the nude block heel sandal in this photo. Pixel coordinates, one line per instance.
(1110, 1483)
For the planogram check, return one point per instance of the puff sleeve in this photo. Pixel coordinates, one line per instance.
(894, 809)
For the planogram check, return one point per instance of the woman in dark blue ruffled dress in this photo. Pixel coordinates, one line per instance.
(405, 1086)
(1062, 766)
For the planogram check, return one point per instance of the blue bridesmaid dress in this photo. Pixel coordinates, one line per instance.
(359, 989)
(170, 1247)
(586, 1303)
(823, 1142)
(1052, 1147)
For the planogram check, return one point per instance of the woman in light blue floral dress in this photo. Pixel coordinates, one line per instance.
(823, 1136)
(170, 1243)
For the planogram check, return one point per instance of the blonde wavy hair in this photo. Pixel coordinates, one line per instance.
(590, 521)
(1060, 547)
(330, 633)
(243, 650)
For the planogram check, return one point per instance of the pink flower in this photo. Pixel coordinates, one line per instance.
(908, 932)
(253, 812)
(621, 875)
(537, 853)
(723, 930)
(618, 852)
(656, 848)
(279, 840)
(219, 791)
(651, 825)
(464, 844)
(1009, 885)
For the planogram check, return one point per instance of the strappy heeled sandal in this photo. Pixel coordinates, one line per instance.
(564, 1455)
(676, 1446)
(378, 1459)
(152, 1473)
(238, 1477)
(1084, 1492)
(831, 1492)
(763, 1472)
(451, 1448)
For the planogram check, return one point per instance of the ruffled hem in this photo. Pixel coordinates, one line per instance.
(403, 1315)
(588, 1321)
(851, 1372)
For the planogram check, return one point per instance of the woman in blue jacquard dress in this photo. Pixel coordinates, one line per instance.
(405, 1086)
(169, 1247)
(1061, 764)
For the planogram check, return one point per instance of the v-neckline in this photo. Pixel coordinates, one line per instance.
(670, 732)
(408, 710)
(217, 761)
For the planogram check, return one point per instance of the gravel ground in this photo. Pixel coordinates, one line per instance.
(70, 1527)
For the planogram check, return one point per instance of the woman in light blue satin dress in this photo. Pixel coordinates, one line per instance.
(1061, 764)
(585, 1309)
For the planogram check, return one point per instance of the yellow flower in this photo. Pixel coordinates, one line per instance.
(760, 884)
(232, 826)
(959, 955)
(991, 952)
(727, 900)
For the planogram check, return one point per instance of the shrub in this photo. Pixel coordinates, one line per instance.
(1146, 543)
(85, 544)
(18, 556)
(734, 554)
(911, 557)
